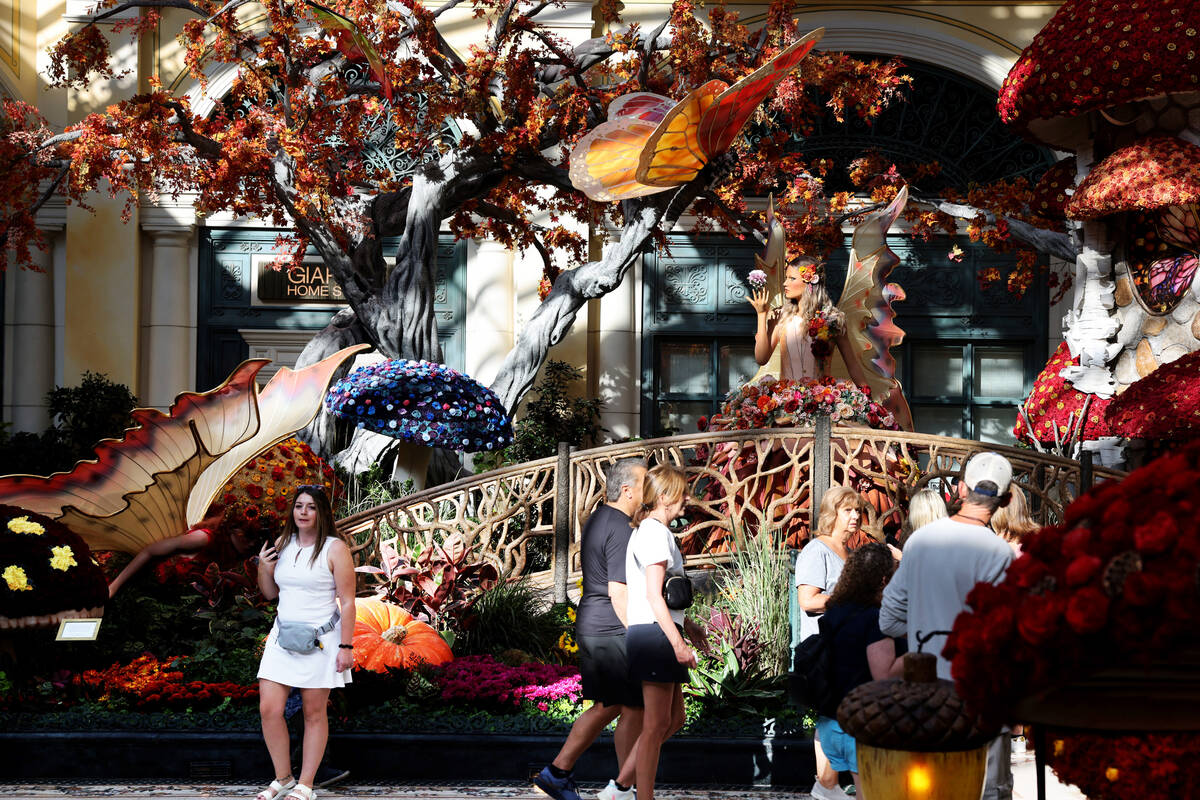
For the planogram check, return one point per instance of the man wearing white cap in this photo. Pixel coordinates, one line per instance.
(942, 563)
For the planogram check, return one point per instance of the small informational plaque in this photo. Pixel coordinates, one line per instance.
(85, 629)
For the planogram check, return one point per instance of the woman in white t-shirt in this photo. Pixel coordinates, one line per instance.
(658, 655)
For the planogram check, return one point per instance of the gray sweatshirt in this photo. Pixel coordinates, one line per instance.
(942, 563)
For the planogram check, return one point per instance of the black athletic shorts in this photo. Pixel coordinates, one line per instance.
(651, 657)
(604, 671)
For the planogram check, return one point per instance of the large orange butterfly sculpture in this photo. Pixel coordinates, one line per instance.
(650, 143)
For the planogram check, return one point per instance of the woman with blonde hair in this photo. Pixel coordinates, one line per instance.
(818, 568)
(658, 655)
(804, 297)
(925, 506)
(1014, 522)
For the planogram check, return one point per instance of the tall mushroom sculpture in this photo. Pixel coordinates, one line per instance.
(1099, 76)
(425, 406)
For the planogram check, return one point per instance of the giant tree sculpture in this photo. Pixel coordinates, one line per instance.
(286, 143)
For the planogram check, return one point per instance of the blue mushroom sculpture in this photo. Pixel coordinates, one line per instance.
(425, 406)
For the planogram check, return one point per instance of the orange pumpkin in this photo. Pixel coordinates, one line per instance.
(386, 635)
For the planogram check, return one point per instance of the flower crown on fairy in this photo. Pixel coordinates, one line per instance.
(809, 269)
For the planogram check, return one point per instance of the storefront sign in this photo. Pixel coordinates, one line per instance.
(311, 283)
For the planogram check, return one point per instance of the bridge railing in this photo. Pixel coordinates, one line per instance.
(527, 518)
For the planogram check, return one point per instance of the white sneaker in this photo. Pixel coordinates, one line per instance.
(611, 792)
(819, 792)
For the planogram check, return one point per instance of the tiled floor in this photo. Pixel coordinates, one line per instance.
(1023, 773)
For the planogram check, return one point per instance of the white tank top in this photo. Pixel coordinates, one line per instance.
(307, 591)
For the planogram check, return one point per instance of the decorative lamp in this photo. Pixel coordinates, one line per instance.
(916, 738)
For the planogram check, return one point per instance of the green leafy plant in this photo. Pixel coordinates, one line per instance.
(81, 416)
(512, 615)
(439, 585)
(726, 686)
(755, 587)
(552, 417)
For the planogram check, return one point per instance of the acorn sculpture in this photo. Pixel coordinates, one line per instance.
(916, 739)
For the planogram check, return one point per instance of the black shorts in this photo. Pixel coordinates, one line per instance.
(651, 656)
(604, 671)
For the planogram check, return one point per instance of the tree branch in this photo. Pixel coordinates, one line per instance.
(41, 201)
(210, 148)
(1051, 243)
(743, 221)
(591, 52)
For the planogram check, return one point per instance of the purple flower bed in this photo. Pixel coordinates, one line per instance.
(483, 680)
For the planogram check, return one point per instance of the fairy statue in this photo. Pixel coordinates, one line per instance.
(803, 336)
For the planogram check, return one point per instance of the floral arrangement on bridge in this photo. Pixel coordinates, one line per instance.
(45, 569)
(1116, 583)
(775, 403)
(1111, 767)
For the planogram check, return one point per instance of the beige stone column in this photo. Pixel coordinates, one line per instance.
(32, 334)
(170, 318)
(489, 330)
(616, 359)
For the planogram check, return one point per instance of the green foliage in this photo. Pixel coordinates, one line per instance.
(80, 417)
(553, 417)
(512, 615)
(755, 587)
(233, 647)
(368, 489)
(726, 686)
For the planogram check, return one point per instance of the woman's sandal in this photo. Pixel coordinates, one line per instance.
(275, 789)
(301, 792)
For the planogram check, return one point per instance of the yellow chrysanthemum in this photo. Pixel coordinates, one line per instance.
(1112, 774)
(62, 558)
(23, 525)
(16, 579)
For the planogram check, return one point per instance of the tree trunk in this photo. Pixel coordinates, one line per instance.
(554, 317)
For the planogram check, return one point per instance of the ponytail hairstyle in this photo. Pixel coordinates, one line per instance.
(665, 482)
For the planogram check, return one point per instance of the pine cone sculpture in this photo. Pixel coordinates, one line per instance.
(919, 713)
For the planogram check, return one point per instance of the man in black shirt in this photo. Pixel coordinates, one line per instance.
(600, 632)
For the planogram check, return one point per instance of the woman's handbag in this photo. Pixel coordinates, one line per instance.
(301, 638)
(677, 591)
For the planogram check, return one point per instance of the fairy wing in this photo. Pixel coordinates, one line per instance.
(867, 303)
(725, 119)
(603, 164)
(1180, 226)
(673, 154)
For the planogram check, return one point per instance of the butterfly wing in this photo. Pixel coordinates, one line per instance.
(673, 155)
(341, 27)
(725, 119)
(1180, 226)
(1169, 279)
(604, 162)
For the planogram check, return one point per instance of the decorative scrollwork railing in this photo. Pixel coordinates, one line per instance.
(741, 482)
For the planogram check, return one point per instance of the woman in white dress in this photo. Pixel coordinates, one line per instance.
(787, 329)
(310, 570)
(658, 655)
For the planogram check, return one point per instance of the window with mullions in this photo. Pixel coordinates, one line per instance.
(694, 375)
(967, 390)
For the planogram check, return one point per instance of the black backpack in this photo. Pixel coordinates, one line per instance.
(812, 682)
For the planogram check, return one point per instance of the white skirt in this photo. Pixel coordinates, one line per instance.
(315, 670)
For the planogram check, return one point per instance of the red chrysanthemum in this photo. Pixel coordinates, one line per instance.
(1053, 400)
(1164, 405)
(1146, 175)
(1096, 54)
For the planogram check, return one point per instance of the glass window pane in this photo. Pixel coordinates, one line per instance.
(937, 371)
(939, 420)
(737, 366)
(999, 372)
(679, 417)
(995, 424)
(684, 368)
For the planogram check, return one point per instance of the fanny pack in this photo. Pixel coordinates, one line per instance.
(676, 590)
(302, 638)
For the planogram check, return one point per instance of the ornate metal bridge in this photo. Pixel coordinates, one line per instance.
(527, 519)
